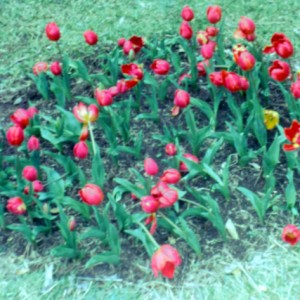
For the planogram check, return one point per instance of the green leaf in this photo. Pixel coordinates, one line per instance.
(290, 190)
(65, 251)
(98, 171)
(79, 207)
(130, 187)
(93, 233)
(56, 184)
(106, 257)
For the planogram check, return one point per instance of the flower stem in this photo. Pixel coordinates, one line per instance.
(151, 238)
(171, 223)
(92, 137)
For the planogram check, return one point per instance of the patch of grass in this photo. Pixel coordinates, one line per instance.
(23, 42)
(269, 274)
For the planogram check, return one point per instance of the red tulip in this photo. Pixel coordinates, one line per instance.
(244, 83)
(39, 68)
(201, 67)
(292, 134)
(121, 42)
(182, 166)
(202, 37)
(212, 31)
(124, 85)
(280, 70)
(52, 31)
(15, 135)
(165, 260)
(186, 30)
(216, 78)
(55, 68)
(231, 81)
(90, 37)
(33, 143)
(91, 194)
(214, 14)
(127, 47)
(81, 150)
(281, 45)
(291, 234)
(20, 117)
(171, 176)
(182, 98)
(86, 114)
(149, 204)
(72, 224)
(153, 221)
(183, 78)
(295, 89)
(103, 97)
(150, 166)
(158, 189)
(246, 25)
(246, 61)
(171, 149)
(132, 70)
(30, 173)
(16, 206)
(160, 67)
(36, 185)
(250, 37)
(187, 14)
(137, 43)
(207, 50)
(31, 111)
(168, 198)
(84, 133)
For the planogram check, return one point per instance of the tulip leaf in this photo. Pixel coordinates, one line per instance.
(106, 257)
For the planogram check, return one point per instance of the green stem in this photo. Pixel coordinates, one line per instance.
(92, 137)
(195, 203)
(171, 223)
(149, 235)
(61, 177)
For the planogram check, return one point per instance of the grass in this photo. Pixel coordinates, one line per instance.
(269, 274)
(23, 42)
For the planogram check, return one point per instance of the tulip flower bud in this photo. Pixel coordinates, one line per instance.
(171, 176)
(184, 77)
(84, 133)
(212, 31)
(72, 224)
(186, 30)
(182, 98)
(36, 185)
(31, 111)
(103, 97)
(244, 83)
(121, 42)
(132, 70)
(90, 37)
(202, 37)
(246, 25)
(91, 194)
(187, 14)
(33, 143)
(16, 206)
(216, 78)
(295, 89)
(113, 91)
(52, 31)
(165, 260)
(20, 117)
(160, 67)
(279, 70)
(207, 50)
(168, 198)
(246, 61)
(30, 173)
(182, 166)
(150, 166)
(171, 149)
(81, 150)
(214, 14)
(291, 234)
(127, 47)
(231, 81)
(55, 68)
(39, 68)
(201, 67)
(149, 204)
(15, 135)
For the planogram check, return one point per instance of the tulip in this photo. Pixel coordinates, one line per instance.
(182, 98)
(202, 37)
(90, 37)
(20, 117)
(31, 111)
(187, 14)
(127, 47)
(237, 50)
(284, 48)
(212, 31)
(246, 61)
(36, 185)
(103, 97)
(86, 114)
(72, 224)
(30, 173)
(184, 77)
(280, 70)
(292, 134)
(250, 37)
(84, 133)
(271, 119)
(171, 176)
(33, 143)
(160, 67)
(207, 50)
(137, 43)
(149, 204)
(246, 25)
(150, 166)
(183, 167)
(81, 150)
(91, 194)
(216, 78)
(291, 234)
(52, 31)
(16, 206)
(153, 221)
(171, 149)
(295, 89)
(214, 14)
(168, 198)
(15, 135)
(55, 68)
(132, 70)
(121, 42)
(201, 67)
(231, 81)
(244, 83)
(39, 68)
(158, 189)
(186, 30)
(165, 260)
(113, 91)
